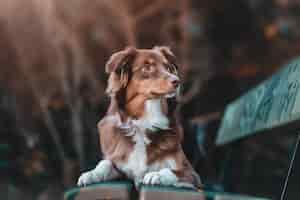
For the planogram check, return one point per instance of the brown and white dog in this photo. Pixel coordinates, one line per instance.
(140, 136)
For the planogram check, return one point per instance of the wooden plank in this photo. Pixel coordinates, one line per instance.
(171, 193)
(101, 191)
(236, 197)
(274, 103)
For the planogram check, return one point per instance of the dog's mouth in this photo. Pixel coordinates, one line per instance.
(171, 95)
(166, 95)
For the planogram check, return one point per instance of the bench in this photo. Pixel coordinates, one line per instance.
(273, 106)
(272, 109)
(120, 190)
(123, 190)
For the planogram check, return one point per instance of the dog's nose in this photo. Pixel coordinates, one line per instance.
(175, 83)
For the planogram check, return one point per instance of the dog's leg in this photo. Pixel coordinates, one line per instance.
(104, 171)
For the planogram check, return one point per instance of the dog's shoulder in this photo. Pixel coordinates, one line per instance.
(112, 140)
(109, 121)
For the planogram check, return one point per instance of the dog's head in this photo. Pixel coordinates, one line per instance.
(152, 73)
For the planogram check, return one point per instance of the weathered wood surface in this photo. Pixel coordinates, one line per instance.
(237, 197)
(169, 193)
(101, 191)
(124, 191)
(274, 103)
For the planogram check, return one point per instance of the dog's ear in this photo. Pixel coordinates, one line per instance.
(168, 54)
(165, 50)
(119, 60)
(118, 66)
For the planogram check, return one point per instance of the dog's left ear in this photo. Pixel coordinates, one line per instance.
(169, 55)
(118, 68)
(119, 60)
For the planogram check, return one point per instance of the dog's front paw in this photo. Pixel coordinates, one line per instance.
(102, 172)
(163, 177)
(85, 178)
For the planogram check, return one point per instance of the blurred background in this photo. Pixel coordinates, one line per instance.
(52, 82)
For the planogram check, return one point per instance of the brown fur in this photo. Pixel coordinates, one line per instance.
(129, 86)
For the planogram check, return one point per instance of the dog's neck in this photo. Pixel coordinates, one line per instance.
(135, 107)
(148, 113)
(154, 119)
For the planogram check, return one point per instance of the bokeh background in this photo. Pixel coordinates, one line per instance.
(52, 82)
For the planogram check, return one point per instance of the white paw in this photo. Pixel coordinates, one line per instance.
(163, 177)
(152, 178)
(102, 172)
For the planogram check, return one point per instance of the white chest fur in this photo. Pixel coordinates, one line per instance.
(136, 165)
(154, 119)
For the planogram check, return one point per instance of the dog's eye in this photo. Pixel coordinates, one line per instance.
(172, 69)
(148, 69)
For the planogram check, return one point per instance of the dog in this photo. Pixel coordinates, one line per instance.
(140, 135)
